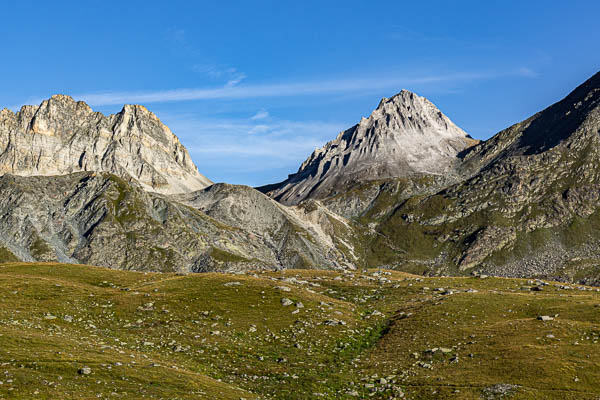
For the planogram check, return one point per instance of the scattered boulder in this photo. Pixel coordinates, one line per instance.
(545, 318)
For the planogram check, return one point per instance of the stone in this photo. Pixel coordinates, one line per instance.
(545, 318)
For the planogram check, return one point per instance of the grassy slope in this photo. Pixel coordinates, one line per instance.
(171, 349)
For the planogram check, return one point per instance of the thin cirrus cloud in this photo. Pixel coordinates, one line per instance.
(232, 90)
(262, 114)
(252, 153)
(280, 140)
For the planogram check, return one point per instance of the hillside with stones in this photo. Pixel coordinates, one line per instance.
(405, 136)
(528, 206)
(62, 136)
(100, 219)
(77, 331)
(524, 203)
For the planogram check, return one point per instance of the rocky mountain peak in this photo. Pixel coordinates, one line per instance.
(62, 136)
(405, 135)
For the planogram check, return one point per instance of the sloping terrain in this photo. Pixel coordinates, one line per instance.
(306, 236)
(89, 332)
(405, 135)
(523, 204)
(404, 188)
(102, 220)
(527, 206)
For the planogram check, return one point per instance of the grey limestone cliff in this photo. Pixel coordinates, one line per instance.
(62, 136)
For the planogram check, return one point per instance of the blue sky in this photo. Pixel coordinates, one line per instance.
(251, 88)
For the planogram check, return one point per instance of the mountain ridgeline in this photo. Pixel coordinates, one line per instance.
(405, 188)
(63, 136)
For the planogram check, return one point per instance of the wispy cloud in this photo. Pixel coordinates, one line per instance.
(262, 114)
(528, 72)
(178, 39)
(279, 141)
(230, 91)
(231, 74)
(254, 153)
(237, 78)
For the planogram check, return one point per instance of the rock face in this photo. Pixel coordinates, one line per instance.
(63, 136)
(121, 191)
(405, 136)
(309, 236)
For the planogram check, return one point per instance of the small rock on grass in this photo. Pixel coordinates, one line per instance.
(545, 318)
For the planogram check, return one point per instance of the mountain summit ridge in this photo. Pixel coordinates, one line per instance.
(63, 136)
(405, 135)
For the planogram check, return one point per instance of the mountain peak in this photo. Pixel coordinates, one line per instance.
(62, 97)
(405, 135)
(403, 96)
(62, 136)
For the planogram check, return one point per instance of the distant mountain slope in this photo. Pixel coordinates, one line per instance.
(63, 136)
(405, 136)
(530, 205)
(563, 122)
(101, 219)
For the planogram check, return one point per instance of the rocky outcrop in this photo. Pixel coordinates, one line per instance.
(405, 136)
(401, 189)
(63, 136)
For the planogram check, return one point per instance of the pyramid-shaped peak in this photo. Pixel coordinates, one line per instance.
(406, 100)
(405, 135)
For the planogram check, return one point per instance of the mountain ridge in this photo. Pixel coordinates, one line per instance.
(523, 203)
(62, 136)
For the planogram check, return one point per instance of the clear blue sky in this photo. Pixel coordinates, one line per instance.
(252, 87)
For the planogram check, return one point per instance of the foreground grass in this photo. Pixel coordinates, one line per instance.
(218, 336)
